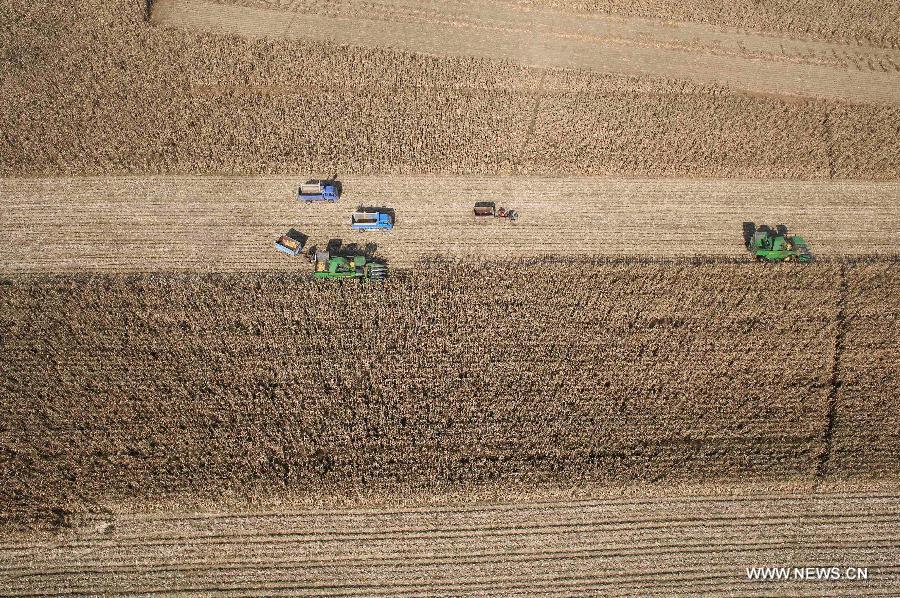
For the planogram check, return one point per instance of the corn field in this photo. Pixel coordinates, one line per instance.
(450, 378)
(94, 89)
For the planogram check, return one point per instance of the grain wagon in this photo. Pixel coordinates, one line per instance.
(289, 245)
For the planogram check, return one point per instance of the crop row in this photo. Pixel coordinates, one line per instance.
(451, 377)
(93, 88)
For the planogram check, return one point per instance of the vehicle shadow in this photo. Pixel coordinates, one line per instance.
(297, 236)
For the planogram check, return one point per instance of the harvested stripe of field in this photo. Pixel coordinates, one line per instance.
(647, 541)
(546, 38)
(143, 223)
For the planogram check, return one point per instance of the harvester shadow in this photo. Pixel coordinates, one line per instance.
(333, 247)
(749, 230)
(337, 247)
(297, 236)
(367, 250)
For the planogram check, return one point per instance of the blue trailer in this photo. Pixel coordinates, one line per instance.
(289, 245)
(316, 190)
(372, 219)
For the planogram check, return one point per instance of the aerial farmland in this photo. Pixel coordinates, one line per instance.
(450, 298)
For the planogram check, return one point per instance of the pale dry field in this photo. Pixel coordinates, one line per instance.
(687, 542)
(545, 38)
(225, 223)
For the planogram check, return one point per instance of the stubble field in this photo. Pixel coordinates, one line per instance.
(543, 38)
(142, 223)
(697, 540)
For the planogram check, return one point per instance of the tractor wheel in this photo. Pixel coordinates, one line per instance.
(760, 259)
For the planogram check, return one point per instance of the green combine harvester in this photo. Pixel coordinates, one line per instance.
(357, 266)
(775, 245)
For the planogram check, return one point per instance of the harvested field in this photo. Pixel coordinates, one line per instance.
(551, 374)
(562, 39)
(857, 22)
(126, 97)
(854, 22)
(682, 543)
(224, 223)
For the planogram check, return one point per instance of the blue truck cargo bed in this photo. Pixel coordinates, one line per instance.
(371, 220)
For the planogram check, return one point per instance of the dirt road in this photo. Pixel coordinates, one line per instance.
(554, 39)
(652, 544)
(222, 223)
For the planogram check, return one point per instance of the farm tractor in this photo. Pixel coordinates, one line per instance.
(357, 266)
(488, 210)
(775, 245)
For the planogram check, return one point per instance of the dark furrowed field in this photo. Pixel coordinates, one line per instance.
(558, 374)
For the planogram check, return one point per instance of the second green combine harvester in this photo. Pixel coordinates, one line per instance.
(769, 244)
(357, 266)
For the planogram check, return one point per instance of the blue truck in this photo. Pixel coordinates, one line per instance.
(316, 190)
(372, 219)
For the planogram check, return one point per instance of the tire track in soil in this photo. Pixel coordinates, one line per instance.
(532, 121)
(836, 378)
